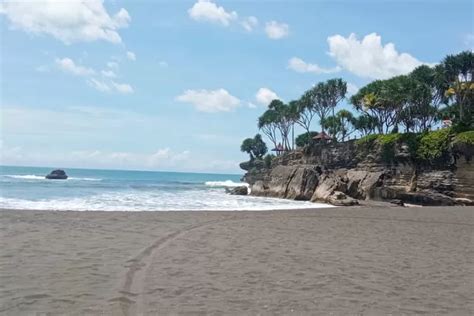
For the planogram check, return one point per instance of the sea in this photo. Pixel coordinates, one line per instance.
(123, 190)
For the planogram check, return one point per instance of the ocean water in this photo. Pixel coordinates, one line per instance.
(119, 190)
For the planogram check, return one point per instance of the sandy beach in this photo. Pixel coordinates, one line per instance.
(357, 260)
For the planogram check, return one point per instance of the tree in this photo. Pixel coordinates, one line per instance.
(340, 125)
(305, 138)
(286, 117)
(304, 110)
(268, 124)
(458, 74)
(383, 100)
(365, 124)
(335, 91)
(255, 147)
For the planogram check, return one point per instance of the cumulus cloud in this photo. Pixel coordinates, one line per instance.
(206, 10)
(98, 85)
(276, 30)
(108, 73)
(101, 81)
(69, 21)
(369, 58)
(299, 65)
(131, 56)
(112, 65)
(210, 100)
(264, 96)
(69, 66)
(352, 88)
(249, 23)
(123, 88)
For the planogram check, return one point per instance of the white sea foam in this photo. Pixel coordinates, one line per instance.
(226, 184)
(193, 200)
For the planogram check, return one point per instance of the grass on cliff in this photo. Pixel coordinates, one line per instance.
(423, 147)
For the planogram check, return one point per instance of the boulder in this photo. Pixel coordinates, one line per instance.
(329, 182)
(57, 174)
(241, 190)
(339, 198)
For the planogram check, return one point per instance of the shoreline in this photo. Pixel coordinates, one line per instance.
(364, 259)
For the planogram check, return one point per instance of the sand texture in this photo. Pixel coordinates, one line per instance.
(345, 261)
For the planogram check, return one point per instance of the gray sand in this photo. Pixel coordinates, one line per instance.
(339, 260)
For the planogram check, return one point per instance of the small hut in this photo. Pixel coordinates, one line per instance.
(279, 149)
(322, 138)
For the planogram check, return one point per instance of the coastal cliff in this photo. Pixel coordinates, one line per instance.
(388, 168)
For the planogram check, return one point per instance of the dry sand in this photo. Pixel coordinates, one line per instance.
(339, 260)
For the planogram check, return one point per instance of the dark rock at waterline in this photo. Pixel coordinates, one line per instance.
(241, 190)
(57, 174)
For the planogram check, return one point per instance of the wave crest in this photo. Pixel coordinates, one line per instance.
(225, 184)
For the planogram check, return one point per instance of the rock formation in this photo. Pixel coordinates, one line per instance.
(343, 173)
(57, 175)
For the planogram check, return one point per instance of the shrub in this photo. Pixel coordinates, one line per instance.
(433, 145)
(268, 160)
(367, 140)
(305, 139)
(466, 138)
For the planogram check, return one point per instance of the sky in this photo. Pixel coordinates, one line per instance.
(177, 85)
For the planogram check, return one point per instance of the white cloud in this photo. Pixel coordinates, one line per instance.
(113, 65)
(163, 64)
(69, 21)
(206, 10)
(123, 88)
(369, 58)
(131, 56)
(276, 30)
(299, 65)
(352, 88)
(98, 85)
(210, 100)
(102, 84)
(264, 96)
(109, 86)
(108, 73)
(249, 23)
(251, 105)
(69, 66)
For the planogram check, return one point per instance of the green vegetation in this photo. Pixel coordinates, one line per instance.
(255, 147)
(433, 145)
(466, 138)
(400, 109)
(268, 160)
(305, 138)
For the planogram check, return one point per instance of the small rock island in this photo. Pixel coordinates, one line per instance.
(57, 174)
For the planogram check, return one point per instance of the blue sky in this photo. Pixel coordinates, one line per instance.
(177, 85)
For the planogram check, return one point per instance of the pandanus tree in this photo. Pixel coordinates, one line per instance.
(255, 147)
(366, 124)
(268, 124)
(383, 100)
(458, 73)
(323, 98)
(341, 125)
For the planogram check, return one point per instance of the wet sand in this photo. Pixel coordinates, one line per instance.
(360, 260)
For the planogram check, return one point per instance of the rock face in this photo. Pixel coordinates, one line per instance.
(241, 190)
(57, 175)
(340, 174)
